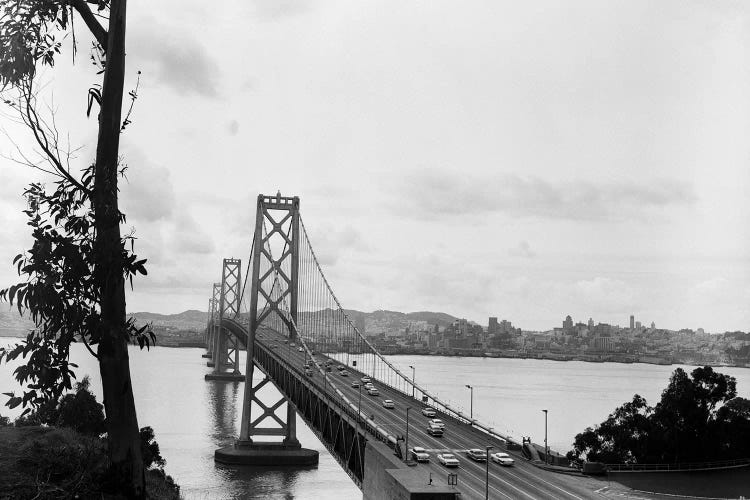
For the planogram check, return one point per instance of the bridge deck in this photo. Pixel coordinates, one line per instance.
(520, 481)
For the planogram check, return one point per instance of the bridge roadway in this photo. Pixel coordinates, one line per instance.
(521, 481)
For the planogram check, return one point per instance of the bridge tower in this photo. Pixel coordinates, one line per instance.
(226, 347)
(268, 306)
(213, 322)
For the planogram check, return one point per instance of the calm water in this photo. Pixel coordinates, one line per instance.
(192, 417)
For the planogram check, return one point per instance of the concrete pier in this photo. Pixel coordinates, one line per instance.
(270, 454)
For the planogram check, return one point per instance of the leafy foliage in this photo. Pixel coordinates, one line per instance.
(150, 449)
(699, 418)
(59, 292)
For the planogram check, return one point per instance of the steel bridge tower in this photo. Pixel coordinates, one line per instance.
(226, 352)
(275, 289)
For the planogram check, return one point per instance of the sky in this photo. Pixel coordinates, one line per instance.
(525, 160)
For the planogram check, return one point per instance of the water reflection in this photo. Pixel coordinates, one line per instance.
(222, 403)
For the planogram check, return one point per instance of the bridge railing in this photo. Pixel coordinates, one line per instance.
(679, 466)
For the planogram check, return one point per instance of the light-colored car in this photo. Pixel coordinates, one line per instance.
(434, 430)
(502, 459)
(419, 454)
(477, 455)
(368, 385)
(355, 384)
(344, 373)
(437, 422)
(300, 349)
(365, 379)
(428, 412)
(448, 459)
(387, 403)
(373, 391)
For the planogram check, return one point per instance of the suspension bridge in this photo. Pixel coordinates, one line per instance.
(284, 313)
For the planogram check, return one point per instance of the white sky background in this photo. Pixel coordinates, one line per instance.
(525, 160)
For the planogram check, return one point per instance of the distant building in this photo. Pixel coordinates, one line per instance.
(653, 325)
(493, 328)
(591, 323)
(568, 323)
(632, 322)
(638, 325)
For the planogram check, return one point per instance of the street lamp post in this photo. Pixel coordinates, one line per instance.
(471, 407)
(546, 448)
(487, 473)
(406, 444)
(359, 405)
(413, 376)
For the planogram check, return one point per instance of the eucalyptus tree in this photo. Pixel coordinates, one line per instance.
(75, 273)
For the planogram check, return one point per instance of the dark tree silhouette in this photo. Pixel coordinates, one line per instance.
(76, 270)
(697, 419)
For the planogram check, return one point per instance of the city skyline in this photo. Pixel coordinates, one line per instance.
(512, 160)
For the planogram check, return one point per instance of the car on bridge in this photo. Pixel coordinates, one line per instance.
(435, 430)
(437, 422)
(368, 385)
(502, 459)
(308, 372)
(387, 403)
(365, 379)
(344, 373)
(448, 460)
(428, 412)
(373, 391)
(477, 455)
(419, 454)
(300, 349)
(355, 384)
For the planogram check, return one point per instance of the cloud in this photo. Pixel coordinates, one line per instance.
(233, 127)
(279, 9)
(439, 193)
(522, 250)
(149, 195)
(173, 59)
(331, 243)
(189, 238)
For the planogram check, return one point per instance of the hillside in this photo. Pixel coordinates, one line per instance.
(191, 320)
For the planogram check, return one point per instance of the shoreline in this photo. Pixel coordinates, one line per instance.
(466, 353)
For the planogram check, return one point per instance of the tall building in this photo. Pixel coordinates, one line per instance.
(568, 323)
(638, 325)
(493, 327)
(591, 323)
(632, 321)
(653, 325)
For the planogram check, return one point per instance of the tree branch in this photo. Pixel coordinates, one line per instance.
(88, 17)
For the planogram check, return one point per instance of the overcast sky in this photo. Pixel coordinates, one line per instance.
(525, 160)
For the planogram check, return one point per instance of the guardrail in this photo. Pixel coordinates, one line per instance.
(675, 467)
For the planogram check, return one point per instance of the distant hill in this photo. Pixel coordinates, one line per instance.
(394, 317)
(186, 320)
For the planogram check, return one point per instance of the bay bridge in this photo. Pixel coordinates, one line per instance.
(283, 311)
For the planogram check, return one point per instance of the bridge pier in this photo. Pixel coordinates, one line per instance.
(266, 453)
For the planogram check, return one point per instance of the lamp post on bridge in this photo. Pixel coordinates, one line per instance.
(546, 448)
(406, 444)
(413, 376)
(471, 403)
(487, 472)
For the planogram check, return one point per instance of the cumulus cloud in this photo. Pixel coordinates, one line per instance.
(233, 127)
(331, 243)
(174, 59)
(440, 193)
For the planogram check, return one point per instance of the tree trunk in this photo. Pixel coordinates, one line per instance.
(122, 423)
